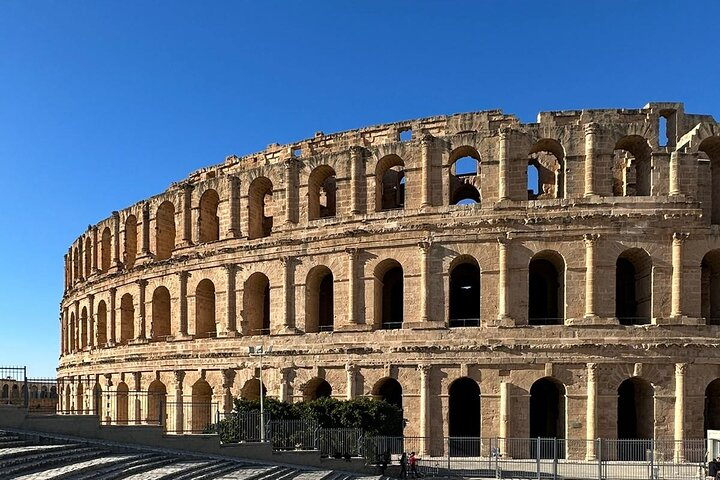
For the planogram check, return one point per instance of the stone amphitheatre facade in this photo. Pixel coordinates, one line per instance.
(412, 262)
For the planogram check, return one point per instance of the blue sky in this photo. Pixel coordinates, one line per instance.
(105, 103)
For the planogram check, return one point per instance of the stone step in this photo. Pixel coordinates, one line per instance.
(255, 472)
(141, 464)
(52, 460)
(19, 456)
(16, 443)
(68, 470)
(199, 471)
(315, 475)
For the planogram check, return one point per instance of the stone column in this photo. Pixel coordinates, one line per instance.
(95, 269)
(350, 379)
(424, 370)
(79, 327)
(291, 198)
(183, 327)
(357, 172)
(228, 380)
(680, 370)
(186, 227)
(504, 152)
(108, 398)
(116, 264)
(591, 412)
(136, 415)
(426, 144)
(113, 316)
(233, 185)
(230, 327)
(352, 254)
(179, 417)
(504, 426)
(677, 274)
(285, 384)
(288, 266)
(675, 174)
(425, 299)
(503, 282)
(590, 240)
(92, 323)
(145, 237)
(591, 131)
(140, 322)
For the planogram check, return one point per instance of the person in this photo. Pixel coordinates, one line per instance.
(412, 461)
(714, 468)
(403, 465)
(384, 460)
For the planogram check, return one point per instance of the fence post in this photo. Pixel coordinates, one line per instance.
(26, 391)
(652, 459)
(599, 458)
(537, 457)
(555, 458)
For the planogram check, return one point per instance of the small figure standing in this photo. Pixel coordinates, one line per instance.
(714, 468)
(384, 460)
(412, 461)
(403, 465)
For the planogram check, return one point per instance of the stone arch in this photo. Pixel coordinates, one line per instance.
(546, 289)
(464, 174)
(635, 417)
(164, 230)
(130, 243)
(632, 167)
(633, 287)
(5, 391)
(389, 294)
(101, 323)
(122, 397)
(105, 245)
(711, 414)
(319, 300)
(710, 146)
(127, 318)
(389, 390)
(205, 309)
(157, 401)
(160, 328)
(390, 183)
(710, 287)
(260, 208)
(464, 293)
(547, 416)
(201, 410)
(209, 220)
(464, 417)
(322, 193)
(317, 388)
(547, 156)
(251, 390)
(256, 305)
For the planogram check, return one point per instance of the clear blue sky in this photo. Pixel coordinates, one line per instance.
(106, 103)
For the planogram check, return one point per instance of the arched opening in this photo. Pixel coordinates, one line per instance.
(710, 287)
(317, 388)
(205, 309)
(635, 417)
(130, 241)
(464, 176)
(72, 332)
(157, 401)
(209, 220)
(464, 417)
(389, 294)
(465, 294)
(545, 170)
(5, 391)
(83, 328)
(260, 208)
(127, 318)
(79, 398)
(632, 167)
(256, 305)
(547, 417)
(251, 390)
(711, 148)
(67, 402)
(633, 287)
(390, 183)
(122, 403)
(88, 257)
(164, 231)
(319, 302)
(201, 411)
(102, 323)
(98, 402)
(389, 390)
(105, 242)
(322, 190)
(546, 289)
(160, 328)
(712, 406)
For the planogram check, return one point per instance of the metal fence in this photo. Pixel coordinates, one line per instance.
(42, 395)
(13, 386)
(191, 417)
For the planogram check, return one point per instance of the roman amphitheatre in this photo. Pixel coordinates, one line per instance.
(493, 278)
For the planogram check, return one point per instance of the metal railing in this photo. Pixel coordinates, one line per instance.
(191, 417)
(391, 325)
(13, 386)
(464, 322)
(42, 395)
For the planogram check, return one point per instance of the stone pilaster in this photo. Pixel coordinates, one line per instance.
(352, 256)
(228, 380)
(591, 131)
(504, 318)
(229, 328)
(680, 370)
(233, 185)
(111, 338)
(92, 323)
(590, 240)
(140, 321)
(591, 412)
(677, 274)
(350, 380)
(186, 217)
(291, 197)
(675, 174)
(116, 264)
(425, 300)
(503, 159)
(426, 144)
(504, 427)
(285, 384)
(425, 433)
(134, 397)
(357, 174)
(288, 268)
(95, 269)
(183, 326)
(179, 417)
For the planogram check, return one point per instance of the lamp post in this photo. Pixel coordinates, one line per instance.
(259, 351)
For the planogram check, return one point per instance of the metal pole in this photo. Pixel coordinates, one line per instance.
(537, 456)
(599, 458)
(262, 403)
